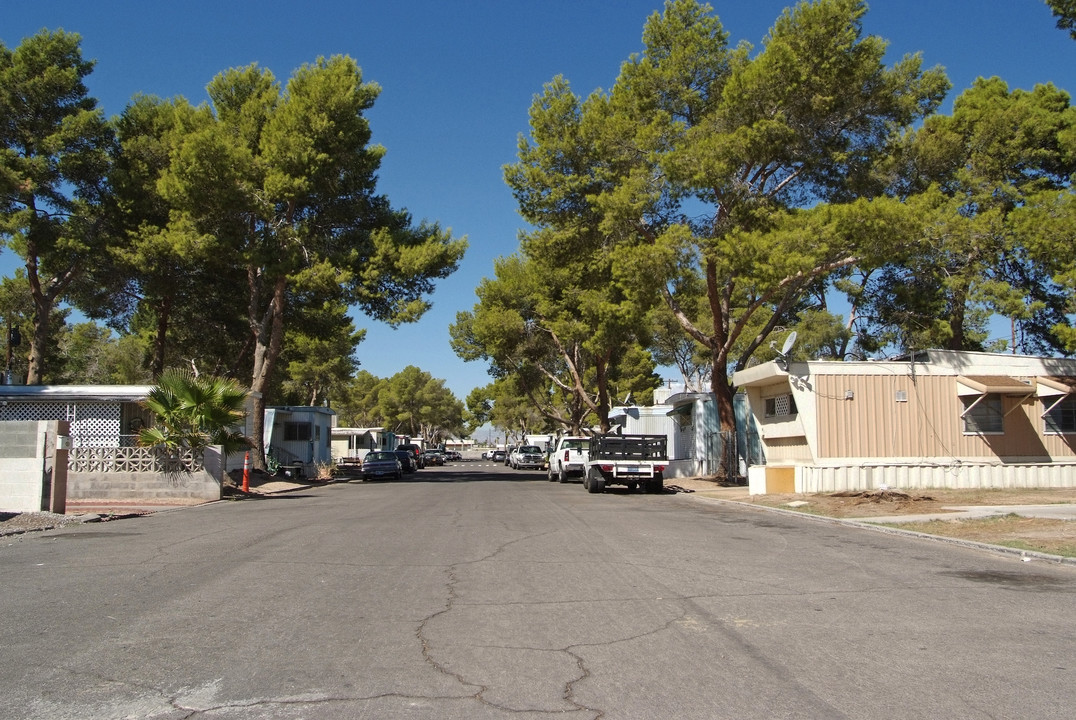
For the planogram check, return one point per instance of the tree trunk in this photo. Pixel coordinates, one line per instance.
(956, 320)
(38, 343)
(164, 311)
(724, 393)
(268, 340)
(601, 369)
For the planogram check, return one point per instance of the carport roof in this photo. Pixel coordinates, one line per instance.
(114, 393)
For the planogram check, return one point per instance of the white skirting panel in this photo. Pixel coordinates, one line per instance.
(811, 479)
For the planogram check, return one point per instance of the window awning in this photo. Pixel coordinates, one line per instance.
(1054, 389)
(683, 403)
(682, 409)
(992, 384)
(983, 385)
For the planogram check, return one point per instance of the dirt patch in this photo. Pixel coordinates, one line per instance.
(1055, 537)
(911, 502)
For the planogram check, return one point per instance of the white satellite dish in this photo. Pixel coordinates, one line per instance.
(789, 342)
(782, 354)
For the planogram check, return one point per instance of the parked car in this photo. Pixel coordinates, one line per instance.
(453, 455)
(497, 456)
(416, 450)
(407, 460)
(527, 457)
(381, 466)
(433, 457)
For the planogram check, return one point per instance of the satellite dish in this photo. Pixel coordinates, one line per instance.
(789, 342)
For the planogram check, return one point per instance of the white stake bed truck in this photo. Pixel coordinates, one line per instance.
(631, 460)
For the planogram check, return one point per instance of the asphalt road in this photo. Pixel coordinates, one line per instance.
(474, 591)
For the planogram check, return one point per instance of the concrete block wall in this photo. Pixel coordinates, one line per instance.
(150, 487)
(32, 471)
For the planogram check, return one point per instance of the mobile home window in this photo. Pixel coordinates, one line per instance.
(984, 417)
(1062, 417)
(296, 431)
(780, 405)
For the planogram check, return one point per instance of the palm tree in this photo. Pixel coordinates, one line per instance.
(195, 411)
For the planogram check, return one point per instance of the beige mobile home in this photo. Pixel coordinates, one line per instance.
(939, 418)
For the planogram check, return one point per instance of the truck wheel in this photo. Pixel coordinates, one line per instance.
(561, 477)
(654, 486)
(550, 475)
(595, 481)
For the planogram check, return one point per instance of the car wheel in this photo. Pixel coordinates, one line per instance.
(561, 477)
(595, 482)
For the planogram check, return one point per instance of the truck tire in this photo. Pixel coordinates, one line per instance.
(550, 475)
(595, 482)
(655, 486)
(562, 476)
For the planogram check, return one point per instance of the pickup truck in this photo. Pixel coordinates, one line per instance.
(568, 458)
(631, 460)
(527, 456)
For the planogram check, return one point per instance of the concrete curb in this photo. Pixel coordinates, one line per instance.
(865, 524)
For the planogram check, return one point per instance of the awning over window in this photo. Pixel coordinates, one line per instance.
(979, 386)
(683, 409)
(1053, 391)
(992, 384)
(1052, 387)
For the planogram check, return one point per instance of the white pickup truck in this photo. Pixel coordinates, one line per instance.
(527, 457)
(569, 457)
(631, 460)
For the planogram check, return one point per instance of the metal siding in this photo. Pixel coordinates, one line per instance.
(874, 425)
(787, 450)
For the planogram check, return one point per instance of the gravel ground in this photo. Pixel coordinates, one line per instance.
(16, 523)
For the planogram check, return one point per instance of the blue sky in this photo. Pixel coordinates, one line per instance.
(457, 78)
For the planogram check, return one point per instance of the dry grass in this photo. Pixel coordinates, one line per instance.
(1056, 537)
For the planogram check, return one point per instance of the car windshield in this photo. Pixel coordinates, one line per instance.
(574, 444)
(373, 457)
(530, 449)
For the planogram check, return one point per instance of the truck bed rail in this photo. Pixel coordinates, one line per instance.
(641, 448)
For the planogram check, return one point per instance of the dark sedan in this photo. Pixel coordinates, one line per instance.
(407, 460)
(381, 466)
